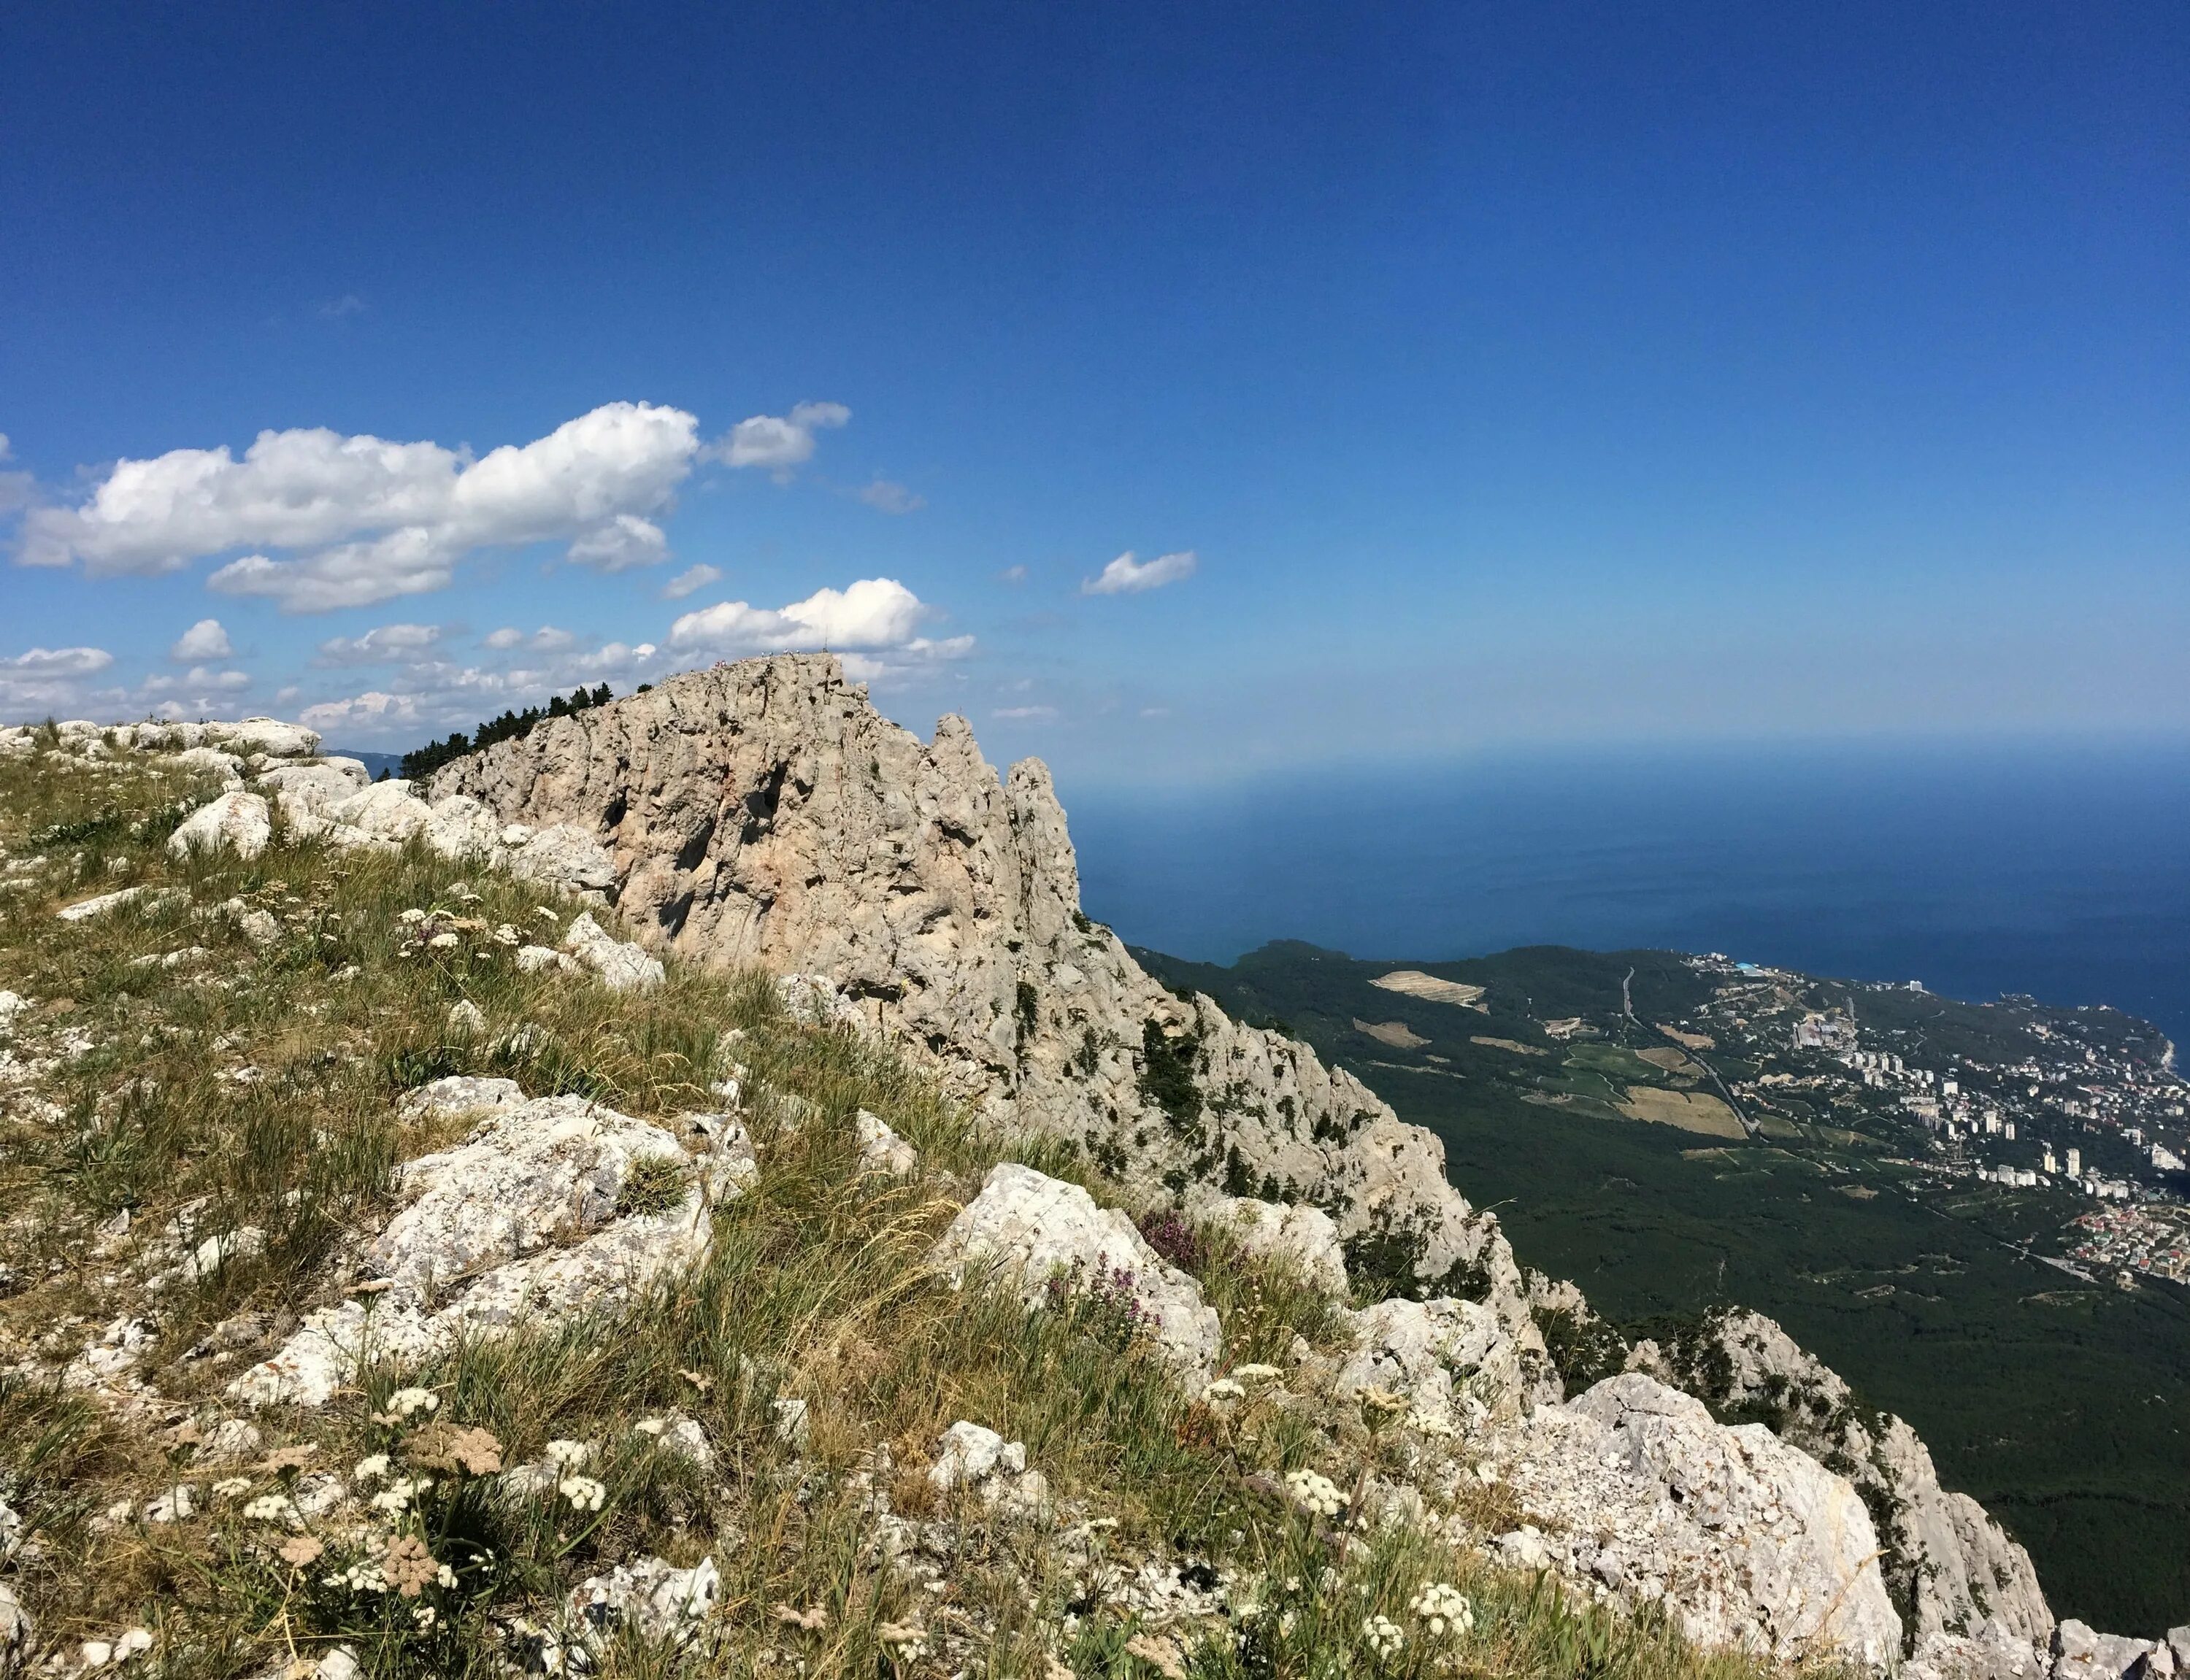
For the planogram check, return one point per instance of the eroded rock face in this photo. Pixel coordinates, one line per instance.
(1449, 1358)
(1751, 1541)
(1040, 1233)
(765, 812)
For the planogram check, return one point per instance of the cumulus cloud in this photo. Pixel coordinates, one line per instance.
(544, 640)
(690, 580)
(387, 643)
(199, 679)
(889, 497)
(777, 443)
(372, 709)
(1127, 576)
(47, 662)
(623, 542)
(47, 679)
(366, 520)
(873, 612)
(204, 640)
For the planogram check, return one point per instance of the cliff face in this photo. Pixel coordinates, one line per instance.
(764, 812)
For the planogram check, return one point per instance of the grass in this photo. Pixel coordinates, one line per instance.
(251, 1087)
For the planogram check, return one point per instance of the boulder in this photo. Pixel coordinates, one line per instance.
(548, 1209)
(1039, 1233)
(235, 822)
(622, 967)
(268, 735)
(307, 792)
(2081, 1653)
(881, 1150)
(386, 813)
(1305, 1236)
(16, 1630)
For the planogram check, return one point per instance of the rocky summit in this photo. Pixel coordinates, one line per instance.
(690, 1190)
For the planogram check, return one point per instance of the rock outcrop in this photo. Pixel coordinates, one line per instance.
(1747, 1540)
(766, 812)
(1954, 1570)
(547, 1208)
(1048, 1239)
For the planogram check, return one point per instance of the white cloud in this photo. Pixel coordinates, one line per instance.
(349, 303)
(546, 640)
(204, 640)
(1011, 574)
(372, 710)
(623, 542)
(374, 520)
(385, 643)
(49, 680)
(1127, 576)
(889, 497)
(873, 612)
(1034, 713)
(507, 636)
(200, 680)
(17, 490)
(49, 662)
(549, 639)
(778, 442)
(689, 581)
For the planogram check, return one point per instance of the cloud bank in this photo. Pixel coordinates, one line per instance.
(366, 520)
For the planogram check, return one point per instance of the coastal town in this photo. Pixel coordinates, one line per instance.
(2014, 1096)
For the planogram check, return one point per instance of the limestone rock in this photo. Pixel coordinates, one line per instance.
(237, 822)
(306, 792)
(458, 1093)
(881, 1150)
(1956, 1567)
(1301, 1235)
(1746, 1539)
(85, 909)
(2079, 1652)
(622, 967)
(16, 1631)
(647, 1599)
(1434, 1352)
(1034, 1229)
(549, 1208)
(386, 813)
(764, 812)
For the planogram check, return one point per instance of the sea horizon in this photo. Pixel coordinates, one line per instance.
(2056, 868)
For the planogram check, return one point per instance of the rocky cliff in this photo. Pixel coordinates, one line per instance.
(765, 812)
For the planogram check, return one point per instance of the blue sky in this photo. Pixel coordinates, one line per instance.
(1561, 372)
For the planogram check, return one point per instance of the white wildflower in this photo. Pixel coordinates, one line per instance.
(1256, 1373)
(442, 941)
(1434, 1424)
(567, 1455)
(1382, 1636)
(584, 1493)
(1444, 1607)
(231, 1487)
(398, 1495)
(269, 1508)
(405, 1401)
(370, 1469)
(1317, 1495)
(411, 918)
(1222, 1391)
(422, 1618)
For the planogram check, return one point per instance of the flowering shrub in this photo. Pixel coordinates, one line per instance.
(1172, 1236)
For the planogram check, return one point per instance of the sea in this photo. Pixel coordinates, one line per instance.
(2056, 868)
